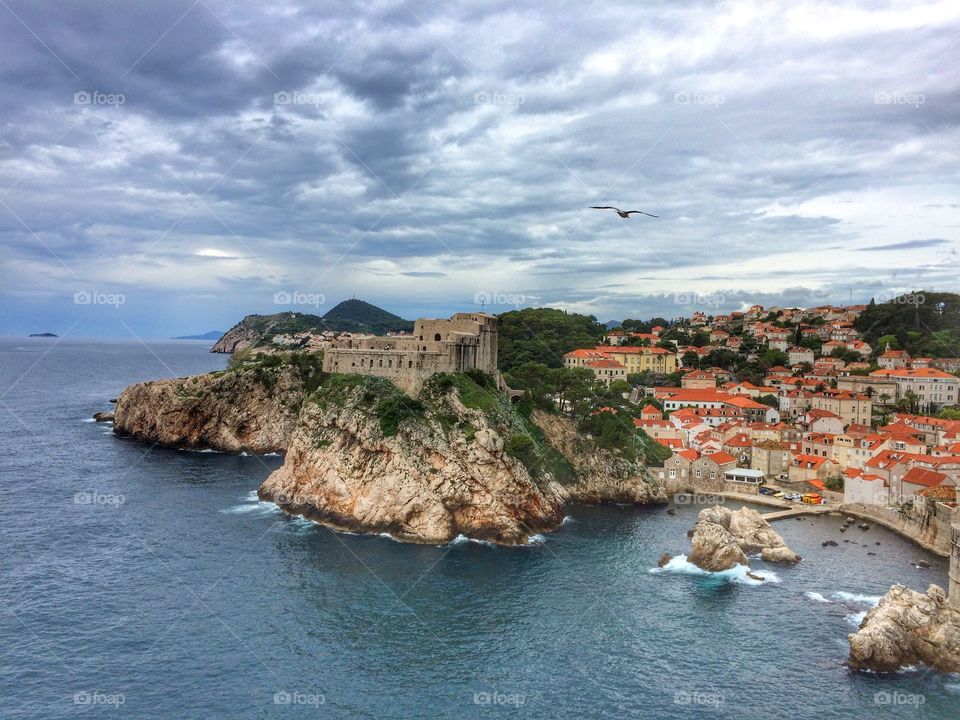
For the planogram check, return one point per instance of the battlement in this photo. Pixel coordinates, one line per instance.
(465, 341)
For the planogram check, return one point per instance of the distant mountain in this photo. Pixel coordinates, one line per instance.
(43, 335)
(212, 335)
(611, 324)
(349, 316)
(360, 316)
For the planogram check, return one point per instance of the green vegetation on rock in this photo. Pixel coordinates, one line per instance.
(543, 335)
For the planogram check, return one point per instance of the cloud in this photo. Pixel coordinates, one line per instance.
(258, 148)
(906, 245)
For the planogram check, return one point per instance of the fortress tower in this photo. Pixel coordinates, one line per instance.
(466, 341)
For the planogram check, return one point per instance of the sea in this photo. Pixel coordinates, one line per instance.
(143, 582)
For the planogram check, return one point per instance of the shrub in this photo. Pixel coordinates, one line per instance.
(394, 410)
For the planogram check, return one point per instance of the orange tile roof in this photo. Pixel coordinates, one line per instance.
(922, 476)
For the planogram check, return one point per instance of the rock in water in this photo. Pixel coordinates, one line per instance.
(714, 548)
(664, 559)
(781, 554)
(103, 416)
(754, 576)
(908, 628)
(721, 539)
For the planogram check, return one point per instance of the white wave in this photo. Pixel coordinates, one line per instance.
(88, 420)
(251, 496)
(260, 507)
(243, 453)
(738, 574)
(567, 519)
(537, 539)
(462, 539)
(815, 596)
(856, 618)
(273, 454)
(954, 689)
(870, 600)
(388, 535)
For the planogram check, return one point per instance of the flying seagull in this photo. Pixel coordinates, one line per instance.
(622, 213)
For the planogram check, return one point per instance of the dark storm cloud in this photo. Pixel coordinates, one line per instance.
(415, 154)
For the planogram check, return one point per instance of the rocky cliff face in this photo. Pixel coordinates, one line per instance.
(252, 410)
(423, 484)
(362, 456)
(446, 472)
(908, 628)
(600, 476)
(723, 537)
(241, 336)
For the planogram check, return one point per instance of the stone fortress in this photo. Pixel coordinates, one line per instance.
(466, 341)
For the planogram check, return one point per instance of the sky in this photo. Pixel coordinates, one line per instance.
(167, 168)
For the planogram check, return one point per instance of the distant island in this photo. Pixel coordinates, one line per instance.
(43, 335)
(212, 335)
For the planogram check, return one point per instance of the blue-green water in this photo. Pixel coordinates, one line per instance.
(139, 582)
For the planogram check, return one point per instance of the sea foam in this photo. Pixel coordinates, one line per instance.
(815, 596)
(856, 599)
(679, 565)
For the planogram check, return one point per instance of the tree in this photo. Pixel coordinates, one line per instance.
(772, 358)
(543, 335)
(770, 400)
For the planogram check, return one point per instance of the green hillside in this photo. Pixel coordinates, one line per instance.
(925, 324)
(360, 316)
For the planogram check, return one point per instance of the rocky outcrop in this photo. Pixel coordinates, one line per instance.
(241, 336)
(420, 485)
(253, 410)
(908, 628)
(601, 476)
(103, 417)
(445, 472)
(364, 457)
(722, 538)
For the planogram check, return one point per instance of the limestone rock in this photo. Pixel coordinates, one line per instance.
(103, 417)
(233, 411)
(908, 628)
(601, 476)
(722, 538)
(779, 554)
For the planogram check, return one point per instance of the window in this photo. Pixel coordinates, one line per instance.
(437, 337)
